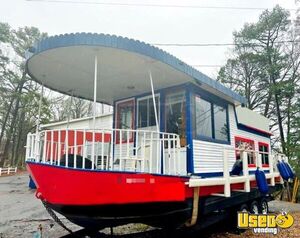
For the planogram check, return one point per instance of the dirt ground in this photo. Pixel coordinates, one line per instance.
(21, 214)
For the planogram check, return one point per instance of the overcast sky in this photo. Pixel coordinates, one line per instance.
(149, 24)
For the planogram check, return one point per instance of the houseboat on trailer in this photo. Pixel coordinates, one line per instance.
(176, 135)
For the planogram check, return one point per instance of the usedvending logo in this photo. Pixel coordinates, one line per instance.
(265, 223)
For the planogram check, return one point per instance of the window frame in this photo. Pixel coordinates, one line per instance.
(264, 165)
(226, 118)
(183, 135)
(247, 140)
(158, 107)
(129, 102)
(212, 103)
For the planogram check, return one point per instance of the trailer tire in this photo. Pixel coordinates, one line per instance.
(254, 207)
(263, 206)
(243, 208)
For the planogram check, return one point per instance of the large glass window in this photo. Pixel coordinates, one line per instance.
(210, 120)
(220, 119)
(146, 114)
(175, 115)
(203, 117)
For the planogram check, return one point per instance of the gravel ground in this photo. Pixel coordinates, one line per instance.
(21, 214)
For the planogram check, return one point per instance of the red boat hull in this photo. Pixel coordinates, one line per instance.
(95, 199)
(59, 185)
(67, 186)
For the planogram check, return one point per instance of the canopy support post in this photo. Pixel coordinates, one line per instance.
(39, 110)
(70, 109)
(154, 102)
(94, 110)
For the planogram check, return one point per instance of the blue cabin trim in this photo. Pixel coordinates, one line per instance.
(189, 133)
(220, 174)
(209, 175)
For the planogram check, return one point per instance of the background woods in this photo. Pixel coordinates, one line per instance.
(20, 96)
(265, 68)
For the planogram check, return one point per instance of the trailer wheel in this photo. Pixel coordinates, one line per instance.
(263, 206)
(254, 207)
(243, 208)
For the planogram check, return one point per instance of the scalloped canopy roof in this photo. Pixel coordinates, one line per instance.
(65, 63)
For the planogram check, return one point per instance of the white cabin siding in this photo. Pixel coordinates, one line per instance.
(234, 131)
(208, 156)
(103, 122)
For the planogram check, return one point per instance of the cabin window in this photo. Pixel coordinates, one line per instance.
(203, 117)
(264, 153)
(220, 119)
(210, 121)
(146, 114)
(247, 145)
(125, 119)
(175, 115)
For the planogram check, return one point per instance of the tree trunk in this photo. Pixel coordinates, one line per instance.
(5, 120)
(18, 152)
(279, 118)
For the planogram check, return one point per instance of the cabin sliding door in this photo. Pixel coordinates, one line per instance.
(149, 142)
(125, 120)
(146, 114)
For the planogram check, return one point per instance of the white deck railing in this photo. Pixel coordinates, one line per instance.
(227, 179)
(107, 149)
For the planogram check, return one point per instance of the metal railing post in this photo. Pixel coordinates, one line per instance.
(59, 148)
(45, 147)
(75, 148)
(127, 146)
(67, 148)
(174, 154)
(37, 146)
(27, 146)
(178, 169)
(151, 154)
(51, 149)
(121, 152)
(144, 153)
(84, 148)
(163, 155)
(102, 150)
(32, 146)
(169, 153)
